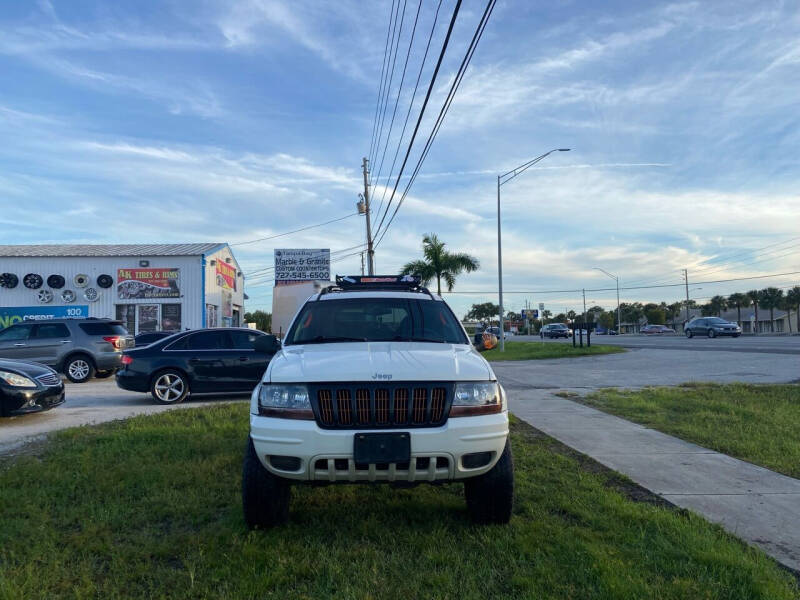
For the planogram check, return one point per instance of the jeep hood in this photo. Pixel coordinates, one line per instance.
(378, 361)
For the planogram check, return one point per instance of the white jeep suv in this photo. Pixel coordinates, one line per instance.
(377, 382)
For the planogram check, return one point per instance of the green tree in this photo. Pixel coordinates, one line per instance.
(673, 312)
(755, 298)
(262, 319)
(483, 312)
(655, 316)
(440, 264)
(738, 300)
(793, 301)
(718, 304)
(771, 299)
(546, 314)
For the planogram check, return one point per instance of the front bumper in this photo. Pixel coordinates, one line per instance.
(19, 401)
(327, 455)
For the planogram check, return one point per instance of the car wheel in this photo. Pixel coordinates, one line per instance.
(169, 387)
(490, 497)
(104, 374)
(79, 369)
(265, 497)
(711, 333)
(689, 334)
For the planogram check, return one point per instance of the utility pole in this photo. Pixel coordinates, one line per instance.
(686, 279)
(584, 308)
(370, 249)
(362, 263)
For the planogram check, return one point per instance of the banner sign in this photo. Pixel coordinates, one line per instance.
(226, 275)
(148, 283)
(11, 315)
(303, 264)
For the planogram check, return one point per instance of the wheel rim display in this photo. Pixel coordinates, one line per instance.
(169, 387)
(44, 296)
(68, 296)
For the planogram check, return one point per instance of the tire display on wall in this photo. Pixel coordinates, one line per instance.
(32, 281)
(9, 280)
(81, 280)
(44, 296)
(105, 281)
(56, 282)
(68, 296)
(91, 294)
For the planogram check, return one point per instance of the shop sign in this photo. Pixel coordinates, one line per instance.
(302, 264)
(226, 276)
(148, 283)
(11, 315)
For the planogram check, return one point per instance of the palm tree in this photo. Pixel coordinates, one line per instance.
(755, 298)
(440, 264)
(718, 304)
(738, 300)
(793, 298)
(771, 299)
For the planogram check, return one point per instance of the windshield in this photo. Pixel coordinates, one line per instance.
(717, 321)
(374, 320)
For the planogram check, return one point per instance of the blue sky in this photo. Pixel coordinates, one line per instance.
(230, 121)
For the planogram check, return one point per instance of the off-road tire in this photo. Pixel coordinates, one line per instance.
(490, 497)
(79, 368)
(265, 497)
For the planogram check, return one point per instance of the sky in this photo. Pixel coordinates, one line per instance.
(231, 121)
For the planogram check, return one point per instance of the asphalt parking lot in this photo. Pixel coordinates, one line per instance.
(765, 360)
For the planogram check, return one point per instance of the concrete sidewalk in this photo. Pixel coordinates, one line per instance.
(755, 504)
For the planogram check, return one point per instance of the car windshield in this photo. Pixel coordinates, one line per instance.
(374, 320)
(717, 321)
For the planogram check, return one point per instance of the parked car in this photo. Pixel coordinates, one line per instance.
(656, 329)
(555, 330)
(712, 327)
(377, 383)
(204, 361)
(79, 348)
(601, 331)
(496, 332)
(145, 339)
(28, 387)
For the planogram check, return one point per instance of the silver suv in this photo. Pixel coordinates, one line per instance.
(79, 348)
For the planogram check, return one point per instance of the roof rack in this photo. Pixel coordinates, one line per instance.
(404, 283)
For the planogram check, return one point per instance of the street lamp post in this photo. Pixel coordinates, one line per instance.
(615, 278)
(502, 179)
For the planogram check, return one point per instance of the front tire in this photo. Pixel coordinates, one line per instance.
(689, 334)
(79, 369)
(169, 387)
(490, 497)
(265, 497)
(712, 333)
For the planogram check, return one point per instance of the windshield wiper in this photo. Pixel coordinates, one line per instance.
(323, 339)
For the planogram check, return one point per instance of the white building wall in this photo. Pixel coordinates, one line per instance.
(191, 283)
(214, 292)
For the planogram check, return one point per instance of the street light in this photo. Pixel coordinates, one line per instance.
(502, 179)
(615, 278)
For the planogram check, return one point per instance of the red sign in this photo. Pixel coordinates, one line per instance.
(226, 276)
(148, 283)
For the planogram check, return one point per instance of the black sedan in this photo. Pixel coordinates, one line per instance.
(145, 339)
(204, 361)
(28, 388)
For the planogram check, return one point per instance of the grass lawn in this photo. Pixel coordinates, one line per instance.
(150, 508)
(757, 423)
(542, 350)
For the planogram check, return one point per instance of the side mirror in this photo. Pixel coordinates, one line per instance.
(266, 344)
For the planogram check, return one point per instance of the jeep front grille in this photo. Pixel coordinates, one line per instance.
(372, 406)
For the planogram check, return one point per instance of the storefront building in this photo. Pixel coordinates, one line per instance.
(149, 287)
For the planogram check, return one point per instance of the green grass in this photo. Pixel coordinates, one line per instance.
(542, 350)
(757, 423)
(150, 508)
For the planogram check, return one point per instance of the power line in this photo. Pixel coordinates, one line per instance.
(445, 108)
(643, 287)
(380, 87)
(410, 104)
(272, 237)
(424, 105)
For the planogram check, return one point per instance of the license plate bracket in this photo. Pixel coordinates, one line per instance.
(375, 448)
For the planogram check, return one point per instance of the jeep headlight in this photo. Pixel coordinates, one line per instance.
(476, 398)
(286, 396)
(16, 380)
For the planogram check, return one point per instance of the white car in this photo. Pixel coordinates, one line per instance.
(377, 382)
